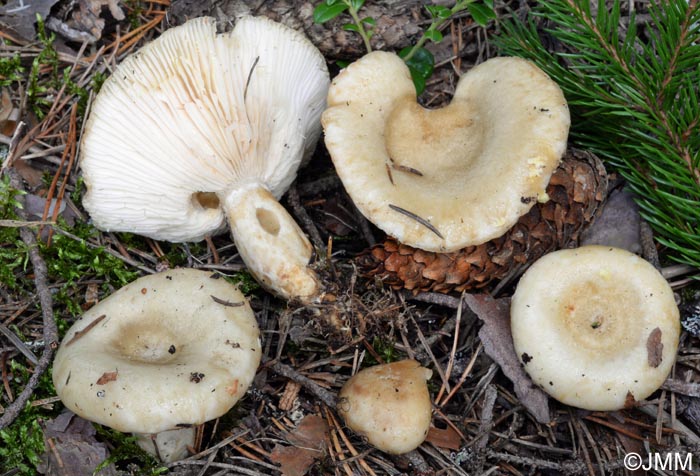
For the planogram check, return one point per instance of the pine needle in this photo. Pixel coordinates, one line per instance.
(633, 90)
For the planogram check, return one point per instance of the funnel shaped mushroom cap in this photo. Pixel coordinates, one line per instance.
(444, 179)
(193, 115)
(389, 404)
(171, 349)
(596, 327)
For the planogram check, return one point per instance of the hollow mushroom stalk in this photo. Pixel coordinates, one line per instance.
(199, 129)
(444, 179)
(159, 356)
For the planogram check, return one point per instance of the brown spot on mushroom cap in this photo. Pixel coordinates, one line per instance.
(233, 388)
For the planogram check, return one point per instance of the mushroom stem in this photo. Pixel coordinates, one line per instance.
(167, 446)
(270, 242)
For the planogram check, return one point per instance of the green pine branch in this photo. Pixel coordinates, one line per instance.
(633, 90)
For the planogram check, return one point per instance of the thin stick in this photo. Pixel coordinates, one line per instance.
(50, 331)
(453, 352)
(87, 329)
(286, 371)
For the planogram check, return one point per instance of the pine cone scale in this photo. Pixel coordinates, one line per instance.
(576, 192)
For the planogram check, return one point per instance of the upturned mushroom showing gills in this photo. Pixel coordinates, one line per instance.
(596, 327)
(444, 179)
(389, 404)
(159, 356)
(197, 129)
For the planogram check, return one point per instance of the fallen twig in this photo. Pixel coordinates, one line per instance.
(286, 371)
(50, 330)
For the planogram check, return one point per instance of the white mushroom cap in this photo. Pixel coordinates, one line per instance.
(468, 170)
(172, 349)
(389, 404)
(192, 118)
(596, 327)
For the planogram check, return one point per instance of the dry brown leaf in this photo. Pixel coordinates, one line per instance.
(619, 224)
(6, 106)
(72, 449)
(92, 296)
(309, 440)
(498, 344)
(444, 438)
(34, 178)
(655, 348)
(107, 377)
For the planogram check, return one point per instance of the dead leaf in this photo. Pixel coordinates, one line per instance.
(655, 348)
(72, 449)
(337, 220)
(618, 224)
(92, 296)
(309, 441)
(289, 396)
(20, 15)
(6, 105)
(34, 205)
(444, 438)
(498, 344)
(107, 377)
(88, 17)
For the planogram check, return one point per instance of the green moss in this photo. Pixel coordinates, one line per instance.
(385, 349)
(13, 251)
(22, 443)
(10, 70)
(126, 450)
(39, 86)
(69, 259)
(245, 282)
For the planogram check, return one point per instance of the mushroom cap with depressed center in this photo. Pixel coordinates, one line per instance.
(596, 327)
(389, 404)
(444, 179)
(170, 349)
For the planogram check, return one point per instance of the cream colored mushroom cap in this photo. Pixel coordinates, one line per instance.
(170, 349)
(468, 170)
(389, 404)
(596, 327)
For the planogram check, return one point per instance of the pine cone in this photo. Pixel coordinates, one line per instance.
(576, 191)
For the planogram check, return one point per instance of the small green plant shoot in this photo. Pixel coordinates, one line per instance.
(419, 60)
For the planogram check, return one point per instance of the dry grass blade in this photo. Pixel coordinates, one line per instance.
(415, 217)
